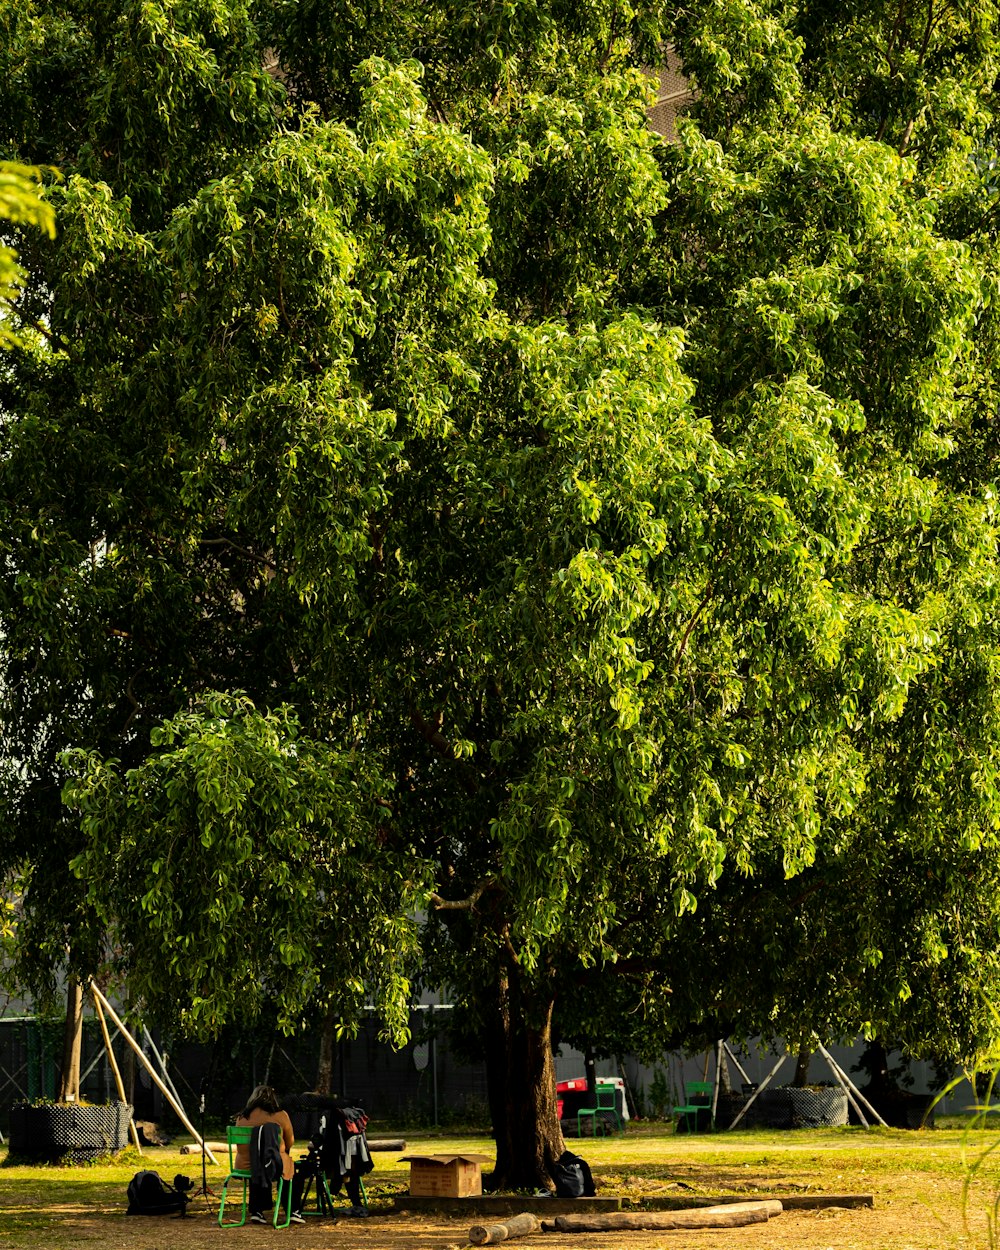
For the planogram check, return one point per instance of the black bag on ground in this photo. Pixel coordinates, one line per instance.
(572, 1177)
(149, 1194)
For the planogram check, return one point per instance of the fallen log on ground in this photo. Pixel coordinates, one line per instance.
(731, 1215)
(386, 1143)
(516, 1226)
(194, 1148)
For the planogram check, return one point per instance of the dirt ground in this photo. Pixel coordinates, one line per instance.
(916, 1180)
(907, 1221)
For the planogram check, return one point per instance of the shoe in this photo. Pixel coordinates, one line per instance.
(359, 1212)
(256, 1217)
(297, 1217)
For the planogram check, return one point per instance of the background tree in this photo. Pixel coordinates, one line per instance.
(20, 204)
(436, 490)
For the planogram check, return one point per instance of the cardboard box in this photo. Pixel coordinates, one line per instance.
(446, 1176)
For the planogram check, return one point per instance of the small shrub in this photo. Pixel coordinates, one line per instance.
(659, 1094)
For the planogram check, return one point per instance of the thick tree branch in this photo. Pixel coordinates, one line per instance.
(430, 731)
(463, 904)
(691, 624)
(243, 551)
(54, 339)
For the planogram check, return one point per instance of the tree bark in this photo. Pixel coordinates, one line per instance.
(69, 1080)
(522, 1086)
(590, 1072)
(802, 1068)
(327, 1055)
(876, 1062)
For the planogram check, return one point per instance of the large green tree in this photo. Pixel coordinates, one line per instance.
(426, 491)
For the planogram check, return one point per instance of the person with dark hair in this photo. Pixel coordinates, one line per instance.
(263, 1107)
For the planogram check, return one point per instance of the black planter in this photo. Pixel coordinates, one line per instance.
(899, 1109)
(729, 1107)
(68, 1131)
(791, 1107)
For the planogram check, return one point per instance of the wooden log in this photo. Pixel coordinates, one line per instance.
(731, 1215)
(386, 1143)
(194, 1148)
(516, 1226)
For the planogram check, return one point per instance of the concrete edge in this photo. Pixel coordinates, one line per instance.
(497, 1205)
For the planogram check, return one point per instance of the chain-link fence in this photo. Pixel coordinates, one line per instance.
(424, 1083)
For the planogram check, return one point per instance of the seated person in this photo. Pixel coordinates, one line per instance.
(263, 1107)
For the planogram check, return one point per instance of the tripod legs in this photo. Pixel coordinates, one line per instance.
(324, 1202)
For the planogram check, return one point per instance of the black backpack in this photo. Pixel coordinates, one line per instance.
(572, 1176)
(149, 1194)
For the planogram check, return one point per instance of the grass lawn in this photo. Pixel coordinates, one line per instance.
(932, 1189)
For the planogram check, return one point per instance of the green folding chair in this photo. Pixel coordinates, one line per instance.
(606, 1100)
(698, 1095)
(239, 1135)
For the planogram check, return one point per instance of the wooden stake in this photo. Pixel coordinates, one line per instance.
(759, 1090)
(133, 1131)
(181, 1114)
(849, 1085)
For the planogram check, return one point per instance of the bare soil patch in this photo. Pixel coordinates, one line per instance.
(917, 1181)
(901, 1225)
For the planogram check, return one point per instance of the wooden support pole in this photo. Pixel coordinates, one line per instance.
(848, 1090)
(739, 1066)
(846, 1081)
(719, 1060)
(133, 1131)
(160, 1060)
(759, 1090)
(181, 1114)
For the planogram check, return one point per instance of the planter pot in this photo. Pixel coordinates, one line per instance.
(68, 1131)
(900, 1109)
(803, 1108)
(730, 1106)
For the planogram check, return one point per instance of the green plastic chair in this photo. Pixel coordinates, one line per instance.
(606, 1100)
(239, 1135)
(699, 1098)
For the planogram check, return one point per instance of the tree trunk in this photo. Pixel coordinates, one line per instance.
(875, 1061)
(802, 1068)
(327, 1054)
(590, 1072)
(69, 1081)
(725, 1076)
(522, 1088)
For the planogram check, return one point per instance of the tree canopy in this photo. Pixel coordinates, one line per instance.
(427, 492)
(20, 204)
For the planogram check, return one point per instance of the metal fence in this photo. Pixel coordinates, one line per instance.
(424, 1083)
